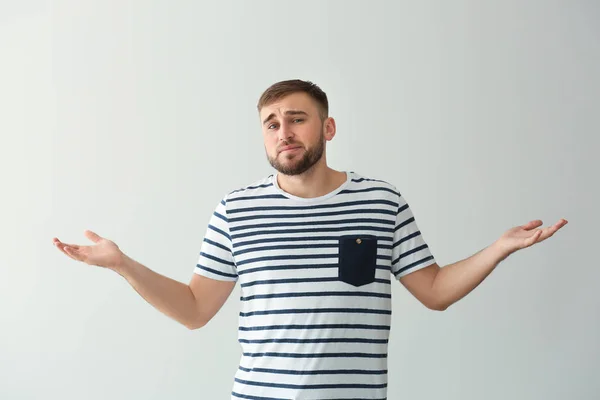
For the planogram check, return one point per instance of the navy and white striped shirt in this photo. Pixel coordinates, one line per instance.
(315, 278)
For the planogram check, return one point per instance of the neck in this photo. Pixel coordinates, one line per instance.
(317, 181)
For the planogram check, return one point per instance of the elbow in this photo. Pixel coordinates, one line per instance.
(196, 324)
(192, 327)
(437, 305)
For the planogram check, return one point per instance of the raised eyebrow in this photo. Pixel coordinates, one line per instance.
(268, 118)
(289, 112)
(295, 112)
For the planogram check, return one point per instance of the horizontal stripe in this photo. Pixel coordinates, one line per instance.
(216, 244)
(312, 215)
(314, 294)
(318, 386)
(317, 340)
(402, 208)
(412, 265)
(219, 231)
(409, 252)
(302, 280)
(216, 214)
(316, 372)
(247, 396)
(214, 271)
(264, 185)
(403, 224)
(367, 180)
(312, 223)
(299, 267)
(316, 311)
(315, 326)
(258, 197)
(315, 355)
(362, 228)
(298, 257)
(406, 238)
(314, 207)
(305, 239)
(217, 259)
(297, 247)
(367, 190)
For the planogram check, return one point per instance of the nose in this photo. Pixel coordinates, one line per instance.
(285, 132)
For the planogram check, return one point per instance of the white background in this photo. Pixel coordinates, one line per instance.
(134, 118)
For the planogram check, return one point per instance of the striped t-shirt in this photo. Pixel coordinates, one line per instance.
(315, 277)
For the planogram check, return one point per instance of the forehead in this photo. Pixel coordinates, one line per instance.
(295, 101)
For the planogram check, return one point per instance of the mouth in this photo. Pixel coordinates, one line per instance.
(289, 149)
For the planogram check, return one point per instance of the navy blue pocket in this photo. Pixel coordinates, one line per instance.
(357, 259)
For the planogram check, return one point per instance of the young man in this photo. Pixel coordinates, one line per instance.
(314, 250)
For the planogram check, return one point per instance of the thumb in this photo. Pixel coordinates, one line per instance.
(92, 236)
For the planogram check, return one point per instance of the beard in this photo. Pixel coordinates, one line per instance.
(309, 158)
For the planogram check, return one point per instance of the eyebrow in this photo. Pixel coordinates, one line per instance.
(289, 112)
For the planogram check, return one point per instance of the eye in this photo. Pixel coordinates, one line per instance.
(298, 119)
(271, 126)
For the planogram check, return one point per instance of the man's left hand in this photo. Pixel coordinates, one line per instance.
(523, 236)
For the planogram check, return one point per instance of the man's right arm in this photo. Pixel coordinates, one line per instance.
(192, 305)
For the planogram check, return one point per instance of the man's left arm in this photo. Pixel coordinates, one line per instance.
(440, 287)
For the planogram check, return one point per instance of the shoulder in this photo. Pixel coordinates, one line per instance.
(360, 181)
(262, 186)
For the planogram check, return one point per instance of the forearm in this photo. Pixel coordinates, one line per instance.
(172, 298)
(455, 281)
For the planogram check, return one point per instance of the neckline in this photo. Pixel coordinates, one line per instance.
(311, 199)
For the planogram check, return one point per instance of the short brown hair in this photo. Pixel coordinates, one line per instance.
(281, 89)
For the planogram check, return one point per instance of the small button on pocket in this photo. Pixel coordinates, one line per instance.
(357, 259)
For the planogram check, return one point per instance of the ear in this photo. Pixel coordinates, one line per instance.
(329, 128)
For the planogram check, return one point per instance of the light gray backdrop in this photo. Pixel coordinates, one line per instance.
(133, 118)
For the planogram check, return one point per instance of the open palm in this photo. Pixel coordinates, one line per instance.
(527, 235)
(103, 252)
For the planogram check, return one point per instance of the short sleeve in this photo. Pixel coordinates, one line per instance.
(410, 252)
(216, 259)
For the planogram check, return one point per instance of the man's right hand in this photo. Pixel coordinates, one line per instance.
(192, 305)
(103, 253)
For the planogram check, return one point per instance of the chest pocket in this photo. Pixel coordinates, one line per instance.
(357, 259)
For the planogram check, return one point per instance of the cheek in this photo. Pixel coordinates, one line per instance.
(270, 145)
(310, 135)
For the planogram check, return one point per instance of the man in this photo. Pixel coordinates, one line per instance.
(314, 250)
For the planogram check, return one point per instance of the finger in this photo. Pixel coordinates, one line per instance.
(532, 224)
(92, 236)
(548, 232)
(62, 250)
(73, 253)
(59, 243)
(61, 247)
(561, 222)
(533, 238)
